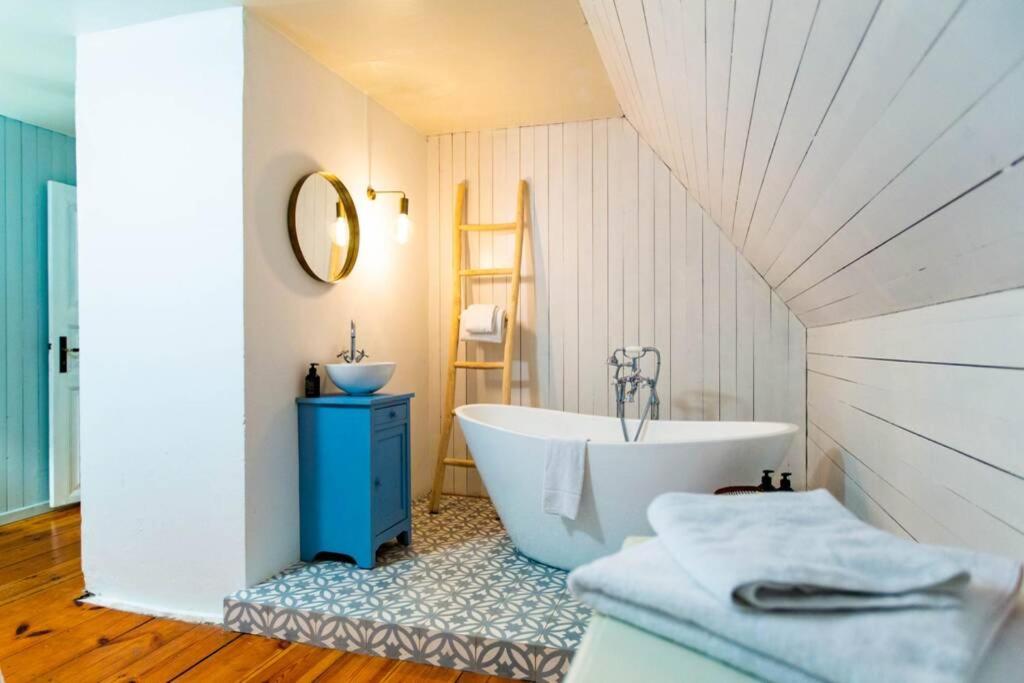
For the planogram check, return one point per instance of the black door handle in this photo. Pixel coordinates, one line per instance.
(64, 351)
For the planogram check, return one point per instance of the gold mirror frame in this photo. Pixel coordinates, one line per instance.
(349, 207)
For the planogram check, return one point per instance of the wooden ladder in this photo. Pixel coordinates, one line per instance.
(459, 275)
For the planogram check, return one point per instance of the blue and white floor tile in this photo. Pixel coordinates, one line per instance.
(461, 597)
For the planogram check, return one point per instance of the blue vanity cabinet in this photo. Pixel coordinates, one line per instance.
(354, 488)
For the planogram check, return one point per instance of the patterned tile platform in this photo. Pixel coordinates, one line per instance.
(461, 597)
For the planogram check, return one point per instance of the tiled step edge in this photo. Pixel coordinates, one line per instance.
(396, 641)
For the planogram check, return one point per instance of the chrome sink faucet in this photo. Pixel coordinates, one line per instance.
(629, 380)
(352, 355)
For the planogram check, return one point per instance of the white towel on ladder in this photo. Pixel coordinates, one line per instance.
(565, 462)
(471, 320)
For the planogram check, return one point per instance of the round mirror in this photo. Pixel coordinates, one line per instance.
(323, 227)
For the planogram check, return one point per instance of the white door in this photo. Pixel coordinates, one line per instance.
(62, 219)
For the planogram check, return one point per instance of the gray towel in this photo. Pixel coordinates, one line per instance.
(793, 551)
(645, 586)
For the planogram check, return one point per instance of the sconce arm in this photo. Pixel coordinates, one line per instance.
(372, 193)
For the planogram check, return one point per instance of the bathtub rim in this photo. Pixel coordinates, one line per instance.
(788, 427)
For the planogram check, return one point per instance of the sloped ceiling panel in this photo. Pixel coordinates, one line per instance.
(865, 157)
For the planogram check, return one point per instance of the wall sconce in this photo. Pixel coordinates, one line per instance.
(403, 226)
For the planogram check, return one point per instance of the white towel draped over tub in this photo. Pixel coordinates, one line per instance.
(565, 463)
(482, 323)
(697, 592)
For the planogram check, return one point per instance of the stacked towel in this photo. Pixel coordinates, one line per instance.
(564, 467)
(805, 551)
(794, 588)
(482, 323)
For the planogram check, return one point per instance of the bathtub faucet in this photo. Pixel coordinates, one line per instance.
(629, 380)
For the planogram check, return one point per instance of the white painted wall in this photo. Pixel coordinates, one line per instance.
(301, 117)
(617, 253)
(199, 320)
(161, 289)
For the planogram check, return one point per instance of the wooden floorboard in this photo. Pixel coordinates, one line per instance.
(48, 634)
(54, 542)
(37, 617)
(177, 656)
(41, 580)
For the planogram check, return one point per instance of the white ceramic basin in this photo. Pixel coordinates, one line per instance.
(360, 378)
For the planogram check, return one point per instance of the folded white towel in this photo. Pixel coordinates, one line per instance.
(479, 318)
(645, 586)
(565, 462)
(801, 551)
(497, 325)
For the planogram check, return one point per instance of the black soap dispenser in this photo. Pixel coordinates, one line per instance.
(766, 481)
(312, 382)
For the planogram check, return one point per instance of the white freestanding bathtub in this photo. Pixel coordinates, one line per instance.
(621, 479)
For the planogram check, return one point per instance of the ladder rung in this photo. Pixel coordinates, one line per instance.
(486, 227)
(483, 272)
(479, 364)
(459, 462)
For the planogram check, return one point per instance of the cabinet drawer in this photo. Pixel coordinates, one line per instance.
(389, 415)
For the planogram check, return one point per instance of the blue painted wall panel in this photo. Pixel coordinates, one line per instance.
(29, 156)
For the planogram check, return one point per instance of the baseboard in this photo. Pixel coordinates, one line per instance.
(23, 513)
(155, 611)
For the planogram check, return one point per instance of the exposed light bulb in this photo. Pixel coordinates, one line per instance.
(338, 230)
(403, 228)
(341, 232)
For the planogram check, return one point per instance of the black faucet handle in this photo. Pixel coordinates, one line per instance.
(785, 484)
(766, 481)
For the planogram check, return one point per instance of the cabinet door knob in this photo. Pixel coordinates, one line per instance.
(393, 413)
(376, 483)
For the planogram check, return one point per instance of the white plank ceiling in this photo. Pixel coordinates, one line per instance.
(863, 156)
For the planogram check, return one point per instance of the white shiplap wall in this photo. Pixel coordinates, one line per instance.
(914, 419)
(865, 158)
(617, 253)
